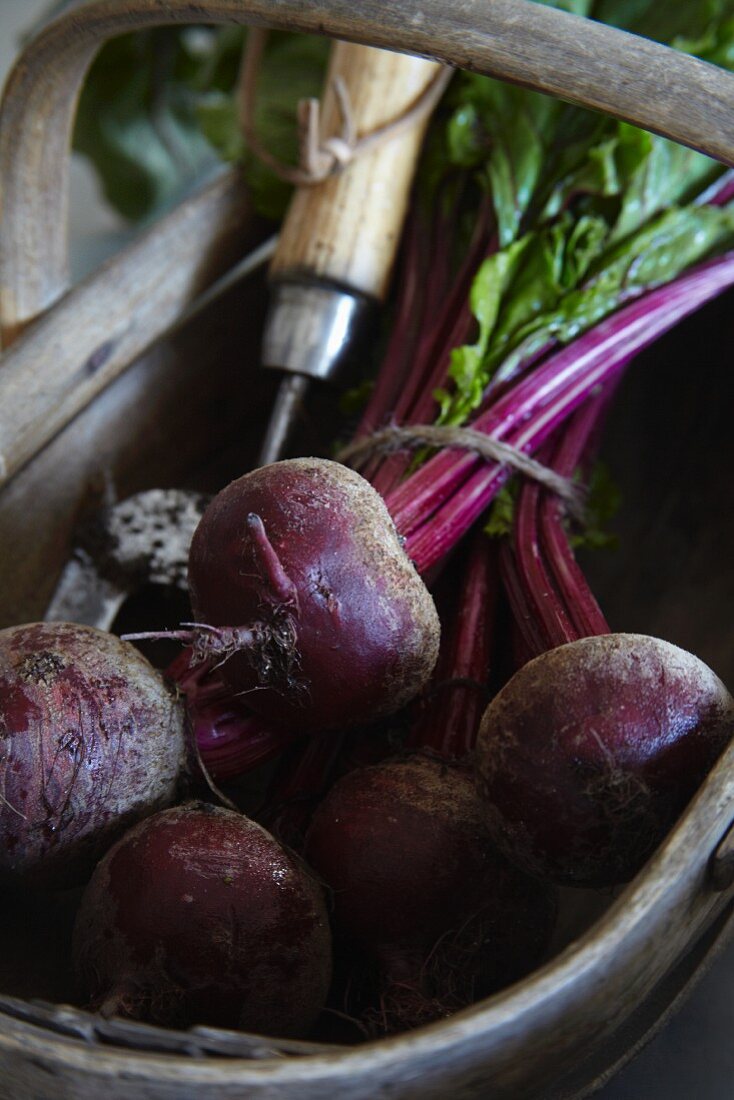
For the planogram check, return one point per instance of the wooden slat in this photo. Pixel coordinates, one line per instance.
(69, 356)
(188, 413)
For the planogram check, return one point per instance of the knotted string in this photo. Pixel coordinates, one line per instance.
(320, 157)
(466, 439)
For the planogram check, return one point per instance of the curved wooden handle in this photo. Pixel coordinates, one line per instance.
(346, 229)
(517, 40)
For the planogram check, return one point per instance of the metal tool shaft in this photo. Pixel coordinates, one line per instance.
(284, 415)
(310, 331)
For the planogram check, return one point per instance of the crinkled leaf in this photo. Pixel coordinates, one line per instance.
(656, 254)
(505, 132)
(664, 247)
(558, 282)
(513, 288)
(491, 284)
(664, 177)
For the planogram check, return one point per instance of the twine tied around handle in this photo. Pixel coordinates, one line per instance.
(467, 439)
(321, 158)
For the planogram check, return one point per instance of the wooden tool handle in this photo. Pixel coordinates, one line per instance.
(346, 228)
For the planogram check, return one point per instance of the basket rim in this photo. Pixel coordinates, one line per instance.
(649, 903)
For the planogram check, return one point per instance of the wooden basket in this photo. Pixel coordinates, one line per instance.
(85, 398)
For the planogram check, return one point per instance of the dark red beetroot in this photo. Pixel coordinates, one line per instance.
(199, 916)
(340, 627)
(91, 741)
(593, 749)
(590, 752)
(420, 890)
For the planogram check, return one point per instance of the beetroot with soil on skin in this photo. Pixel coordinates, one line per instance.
(91, 741)
(199, 916)
(305, 552)
(590, 752)
(419, 889)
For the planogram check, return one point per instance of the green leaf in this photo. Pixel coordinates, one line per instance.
(158, 107)
(467, 368)
(501, 515)
(138, 124)
(504, 131)
(602, 504)
(663, 177)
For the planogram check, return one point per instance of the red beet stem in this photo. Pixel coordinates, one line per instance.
(447, 327)
(453, 703)
(430, 512)
(231, 739)
(404, 333)
(549, 614)
(577, 443)
(720, 192)
(300, 782)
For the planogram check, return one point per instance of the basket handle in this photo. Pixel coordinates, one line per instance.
(517, 40)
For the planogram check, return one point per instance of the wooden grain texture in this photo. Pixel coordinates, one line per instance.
(346, 229)
(106, 322)
(517, 40)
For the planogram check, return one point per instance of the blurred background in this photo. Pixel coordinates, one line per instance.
(693, 1058)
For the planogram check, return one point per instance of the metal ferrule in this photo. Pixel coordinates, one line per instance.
(311, 328)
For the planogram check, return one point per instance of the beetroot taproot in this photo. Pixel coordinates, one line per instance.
(433, 916)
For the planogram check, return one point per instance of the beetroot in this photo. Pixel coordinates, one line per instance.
(199, 916)
(91, 741)
(420, 892)
(591, 751)
(336, 626)
(427, 912)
